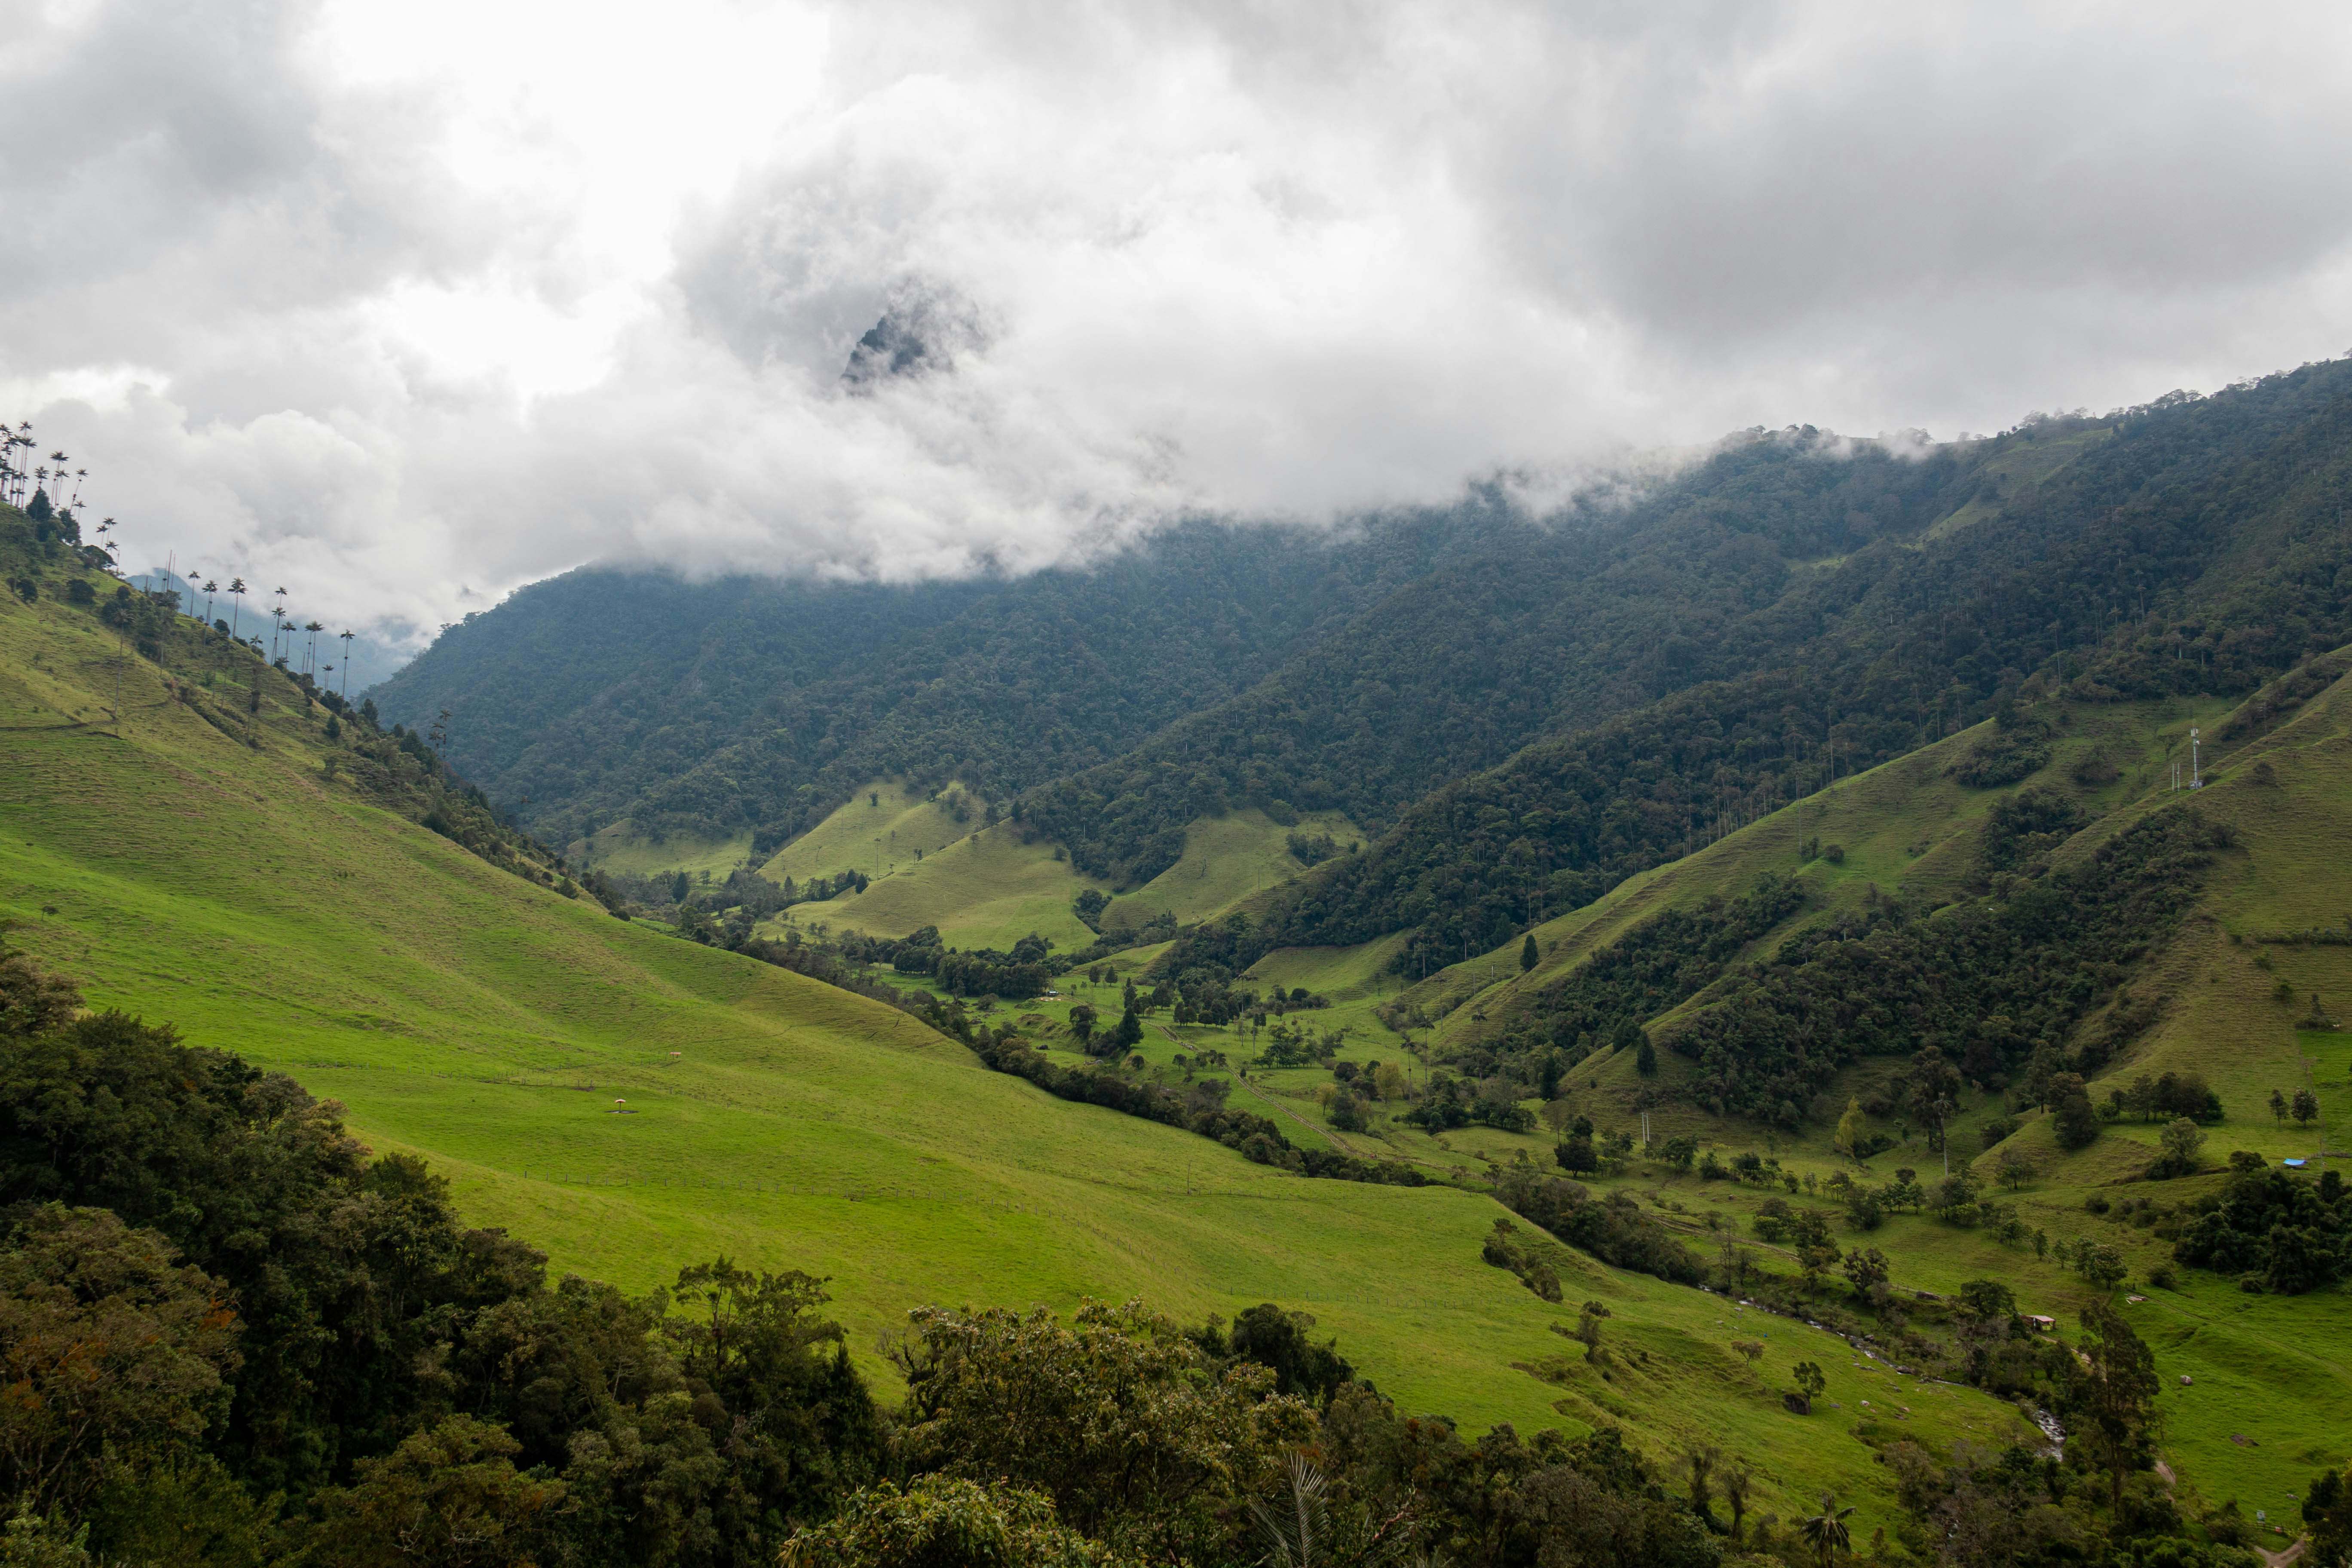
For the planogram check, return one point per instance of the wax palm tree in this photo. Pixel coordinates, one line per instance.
(277, 618)
(1300, 1531)
(211, 588)
(23, 439)
(347, 636)
(311, 660)
(1826, 1531)
(236, 590)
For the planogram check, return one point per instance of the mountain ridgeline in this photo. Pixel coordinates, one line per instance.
(1520, 714)
(745, 704)
(2195, 547)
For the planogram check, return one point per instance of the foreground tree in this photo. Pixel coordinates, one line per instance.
(449, 1496)
(108, 1349)
(1115, 1415)
(945, 1521)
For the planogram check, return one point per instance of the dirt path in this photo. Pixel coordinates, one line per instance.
(2281, 1559)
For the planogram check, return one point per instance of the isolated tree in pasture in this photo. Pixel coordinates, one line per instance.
(1865, 1268)
(2182, 1141)
(2328, 1510)
(1810, 1384)
(1528, 954)
(1848, 1137)
(2278, 1105)
(2306, 1107)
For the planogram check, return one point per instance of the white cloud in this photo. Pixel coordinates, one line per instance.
(405, 305)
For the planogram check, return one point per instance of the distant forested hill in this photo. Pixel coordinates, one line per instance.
(2199, 546)
(1521, 712)
(749, 703)
(1733, 564)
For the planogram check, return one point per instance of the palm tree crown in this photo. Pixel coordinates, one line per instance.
(1826, 1531)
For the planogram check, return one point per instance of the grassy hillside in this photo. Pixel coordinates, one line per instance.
(621, 848)
(879, 828)
(984, 889)
(1227, 861)
(495, 1027)
(2265, 1371)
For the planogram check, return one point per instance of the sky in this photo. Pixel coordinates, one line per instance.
(400, 307)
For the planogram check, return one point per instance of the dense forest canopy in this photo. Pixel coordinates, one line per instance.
(2199, 547)
(749, 703)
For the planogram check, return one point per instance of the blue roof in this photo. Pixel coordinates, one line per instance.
(2295, 1165)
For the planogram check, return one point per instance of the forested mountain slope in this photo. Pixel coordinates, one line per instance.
(752, 703)
(1451, 674)
(1401, 656)
(1526, 713)
(2201, 546)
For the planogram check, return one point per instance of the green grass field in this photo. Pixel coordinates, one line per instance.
(879, 830)
(621, 848)
(494, 1027)
(984, 889)
(1228, 860)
